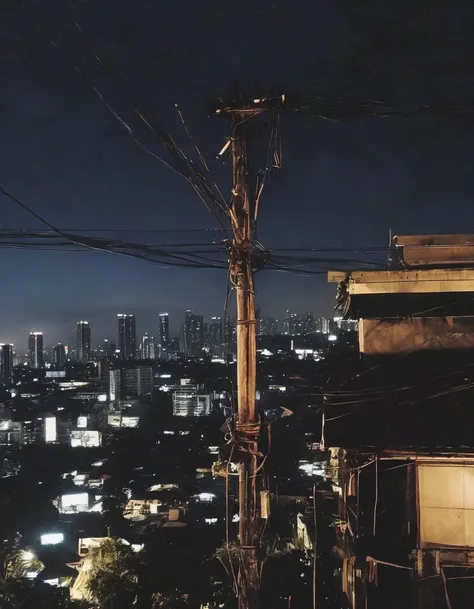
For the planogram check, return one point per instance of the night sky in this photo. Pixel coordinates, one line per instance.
(64, 155)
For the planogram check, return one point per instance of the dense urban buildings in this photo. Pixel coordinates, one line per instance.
(214, 337)
(95, 418)
(35, 350)
(83, 343)
(127, 336)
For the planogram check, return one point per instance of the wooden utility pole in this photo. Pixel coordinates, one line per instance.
(247, 424)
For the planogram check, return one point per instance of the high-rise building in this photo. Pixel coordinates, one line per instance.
(230, 336)
(138, 381)
(193, 333)
(293, 324)
(325, 325)
(83, 342)
(35, 350)
(216, 335)
(130, 382)
(175, 345)
(147, 348)
(115, 385)
(6, 364)
(164, 323)
(59, 355)
(127, 336)
(107, 349)
(309, 326)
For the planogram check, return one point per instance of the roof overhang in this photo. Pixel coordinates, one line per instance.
(420, 281)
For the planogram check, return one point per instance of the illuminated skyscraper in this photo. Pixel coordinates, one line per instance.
(230, 336)
(6, 364)
(59, 355)
(215, 337)
(193, 333)
(35, 350)
(83, 343)
(147, 348)
(127, 336)
(164, 321)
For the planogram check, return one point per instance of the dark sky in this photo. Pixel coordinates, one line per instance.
(64, 155)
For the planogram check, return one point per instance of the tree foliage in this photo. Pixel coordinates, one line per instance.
(113, 579)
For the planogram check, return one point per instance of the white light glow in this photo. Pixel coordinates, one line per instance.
(204, 497)
(51, 539)
(52, 582)
(77, 502)
(85, 437)
(31, 574)
(50, 429)
(28, 555)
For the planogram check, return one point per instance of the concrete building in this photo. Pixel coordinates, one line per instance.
(130, 382)
(190, 401)
(401, 449)
(11, 433)
(138, 381)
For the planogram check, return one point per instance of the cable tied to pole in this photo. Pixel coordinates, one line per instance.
(247, 436)
(243, 437)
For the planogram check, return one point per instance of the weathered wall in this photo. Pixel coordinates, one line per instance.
(379, 336)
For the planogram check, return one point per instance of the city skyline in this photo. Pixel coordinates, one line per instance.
(268, 324)
(147, 322)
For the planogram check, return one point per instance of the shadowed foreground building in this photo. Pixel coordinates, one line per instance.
(398, 427)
